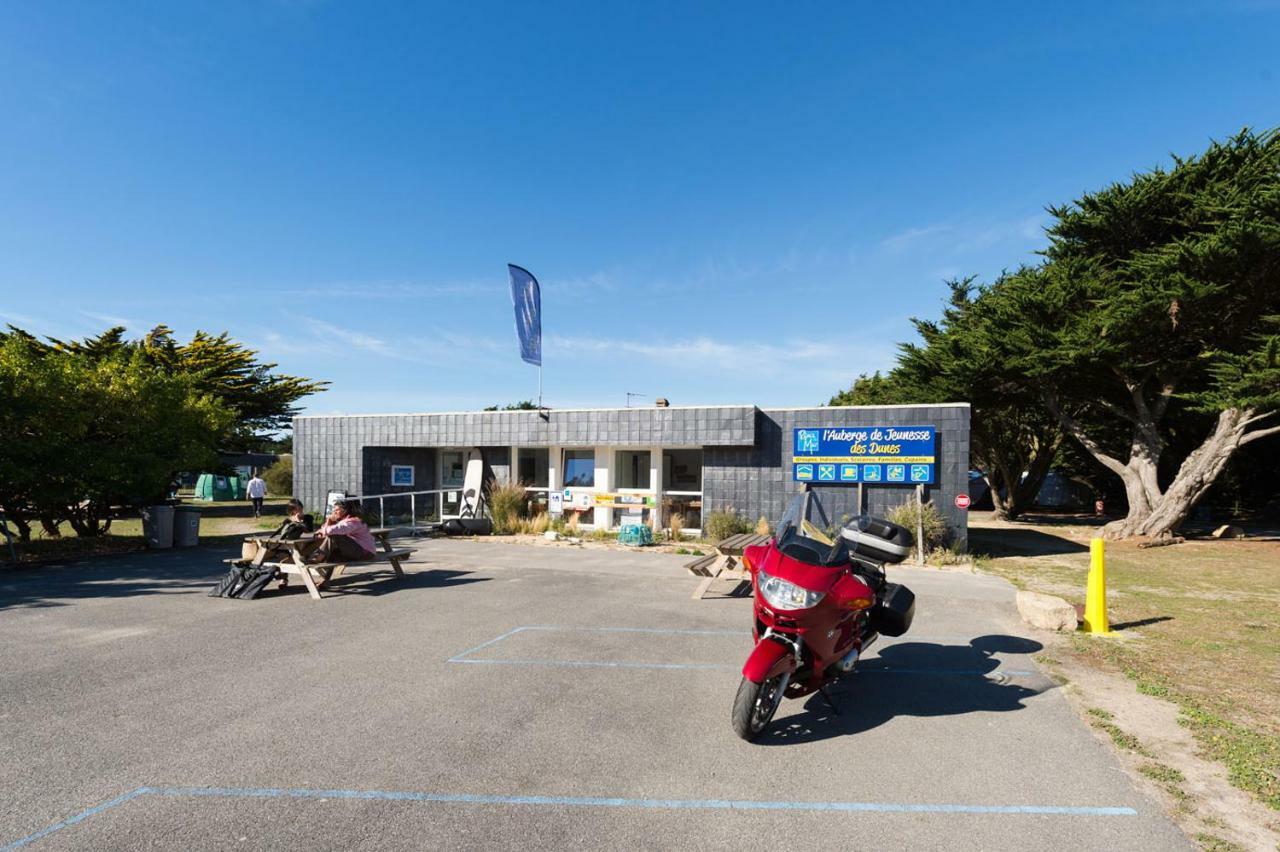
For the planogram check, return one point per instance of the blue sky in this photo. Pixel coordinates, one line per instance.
(724, 203)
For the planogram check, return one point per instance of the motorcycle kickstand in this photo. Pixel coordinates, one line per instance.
(826, 696)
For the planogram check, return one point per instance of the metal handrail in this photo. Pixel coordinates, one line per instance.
(413, 502)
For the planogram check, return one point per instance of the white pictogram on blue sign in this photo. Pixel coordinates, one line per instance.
(896, 473)
(804, 471)
(807, 440)
(871, 472)
(827, 472)
(848, 473)
(919, 473)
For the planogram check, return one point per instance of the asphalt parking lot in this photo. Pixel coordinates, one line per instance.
(514, 696)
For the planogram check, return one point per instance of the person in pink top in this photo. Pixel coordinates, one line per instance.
(344, 537)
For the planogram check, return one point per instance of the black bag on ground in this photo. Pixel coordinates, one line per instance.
(255, 580)
(244, 582)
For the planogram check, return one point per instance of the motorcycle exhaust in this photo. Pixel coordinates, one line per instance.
(850, 659)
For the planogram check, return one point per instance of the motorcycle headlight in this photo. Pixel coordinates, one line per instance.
(783, 595)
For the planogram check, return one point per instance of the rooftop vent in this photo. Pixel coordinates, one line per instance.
(661, 402)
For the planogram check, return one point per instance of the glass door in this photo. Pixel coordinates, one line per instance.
(453, 473)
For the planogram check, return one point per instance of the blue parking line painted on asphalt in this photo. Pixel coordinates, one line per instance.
(465, 656)
(573, 801)
(492, 641)
(620, 802)
(620, 664)
(603, 664)
(80, 817)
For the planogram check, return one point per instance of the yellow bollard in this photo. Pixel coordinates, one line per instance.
(1095, 599)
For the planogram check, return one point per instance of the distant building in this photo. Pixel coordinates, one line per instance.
(620, 465)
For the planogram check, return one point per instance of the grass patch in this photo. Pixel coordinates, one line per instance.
(1213, 843)
(1163, 774)
(1101, 719)
(1195, 626)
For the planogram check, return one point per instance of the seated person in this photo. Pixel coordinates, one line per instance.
(343, 537)
(297, 523)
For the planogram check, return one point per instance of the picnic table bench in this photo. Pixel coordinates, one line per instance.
(724, 564)
(300, 567)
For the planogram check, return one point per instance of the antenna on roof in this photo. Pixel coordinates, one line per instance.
(630, 394)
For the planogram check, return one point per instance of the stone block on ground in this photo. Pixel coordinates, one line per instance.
(1046, 612)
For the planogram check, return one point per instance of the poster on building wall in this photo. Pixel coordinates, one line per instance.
(555, 503)
(884, 455)
(402, 476)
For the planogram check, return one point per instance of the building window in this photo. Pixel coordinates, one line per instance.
(531, 467)
(632, 469)
(579, 468)
(682, 487)
(682, 470)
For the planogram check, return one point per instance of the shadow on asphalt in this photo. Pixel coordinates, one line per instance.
(1013, 541)
(121, 575)
(910, 679)
(381, 583)
(167, 572)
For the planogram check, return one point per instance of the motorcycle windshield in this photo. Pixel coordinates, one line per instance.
(803, 533)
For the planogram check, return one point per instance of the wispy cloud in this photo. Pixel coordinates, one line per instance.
(111, 321)
(812, 360)
(397, 290)
(954, 238)
(315, 337)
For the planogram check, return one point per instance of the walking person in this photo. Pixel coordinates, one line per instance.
(256, 490)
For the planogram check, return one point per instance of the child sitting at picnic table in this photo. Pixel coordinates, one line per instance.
(343, 537)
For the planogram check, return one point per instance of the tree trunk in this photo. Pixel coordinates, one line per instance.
(1022, 495)
(1162, 516)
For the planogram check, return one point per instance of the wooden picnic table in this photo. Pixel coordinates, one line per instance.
(300, 567)
(725, 563)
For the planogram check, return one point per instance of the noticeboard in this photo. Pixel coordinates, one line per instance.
(878, 455)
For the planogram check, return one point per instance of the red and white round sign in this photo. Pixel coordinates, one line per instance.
(962, 501)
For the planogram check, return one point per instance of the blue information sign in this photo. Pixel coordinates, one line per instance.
(896, 455)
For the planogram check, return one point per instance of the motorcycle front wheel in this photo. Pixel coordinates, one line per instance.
(755, 704)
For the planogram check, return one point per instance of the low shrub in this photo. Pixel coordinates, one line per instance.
(536, 525)
(279, 477)
(675, 527)
(935, 528)
(506, 506)
(720, 525)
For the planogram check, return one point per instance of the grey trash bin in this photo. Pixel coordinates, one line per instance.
(186, 526)
(157, 526)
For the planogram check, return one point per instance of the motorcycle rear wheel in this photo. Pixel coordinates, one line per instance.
(755, 704)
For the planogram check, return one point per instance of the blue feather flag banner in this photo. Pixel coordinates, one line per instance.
(527, 299)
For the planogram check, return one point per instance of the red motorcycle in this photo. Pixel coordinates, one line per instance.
(821, 599)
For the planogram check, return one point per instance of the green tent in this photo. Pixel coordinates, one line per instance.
(214, 486)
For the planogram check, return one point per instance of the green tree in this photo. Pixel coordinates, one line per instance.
(522, 405)
(263, 401)
(89, 432)
(1013, 440)
(279, 477)
(1155, 312)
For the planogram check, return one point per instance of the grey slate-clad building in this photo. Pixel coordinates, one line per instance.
(615, 465)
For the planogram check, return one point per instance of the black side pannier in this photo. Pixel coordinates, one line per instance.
(878, 539)
(893, 614)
